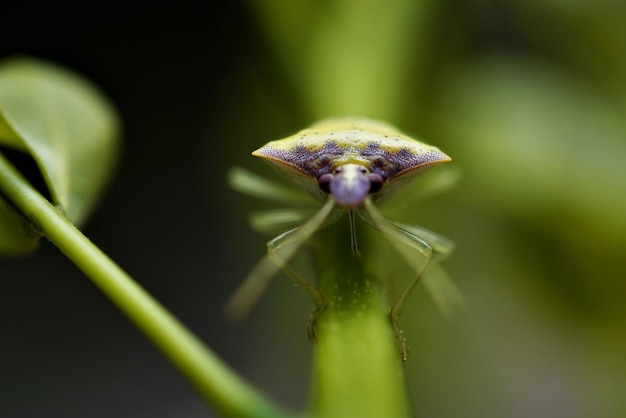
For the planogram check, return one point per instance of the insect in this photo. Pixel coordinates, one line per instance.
(350, 164)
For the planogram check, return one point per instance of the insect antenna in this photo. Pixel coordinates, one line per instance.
(353, 241)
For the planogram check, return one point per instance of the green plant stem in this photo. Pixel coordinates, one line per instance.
(213, 379)
(357, 370)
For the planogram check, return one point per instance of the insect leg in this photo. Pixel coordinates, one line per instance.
(437, 283)
(298, 236)
(428, 243)
(252, 184)
(403, 240)
(259, 277)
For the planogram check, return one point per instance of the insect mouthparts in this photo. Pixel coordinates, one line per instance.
(349, 185)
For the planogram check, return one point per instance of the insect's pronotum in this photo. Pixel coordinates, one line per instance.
(351, 163)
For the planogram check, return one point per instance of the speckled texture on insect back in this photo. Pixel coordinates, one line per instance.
(377, 146)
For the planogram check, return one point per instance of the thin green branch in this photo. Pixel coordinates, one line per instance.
(213, 379)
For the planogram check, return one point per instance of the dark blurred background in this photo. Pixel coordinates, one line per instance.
(527, 96)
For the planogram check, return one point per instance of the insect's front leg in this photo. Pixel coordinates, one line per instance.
(297, 237)
(406, 242)
(275, 245)
(279, 252)
(399, 237)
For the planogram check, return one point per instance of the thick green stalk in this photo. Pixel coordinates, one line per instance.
(357, 370)
(215, 381)
(347, 57)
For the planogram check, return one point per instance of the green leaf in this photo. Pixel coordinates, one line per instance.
(67, 126)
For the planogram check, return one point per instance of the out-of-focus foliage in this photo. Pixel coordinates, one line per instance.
(529, 99)
(348, 43)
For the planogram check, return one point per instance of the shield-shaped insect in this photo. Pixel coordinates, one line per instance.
(350, 164)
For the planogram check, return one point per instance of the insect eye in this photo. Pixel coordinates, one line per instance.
(324, 182)
(376, 182)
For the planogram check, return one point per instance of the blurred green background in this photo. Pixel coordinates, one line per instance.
(528, 97)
